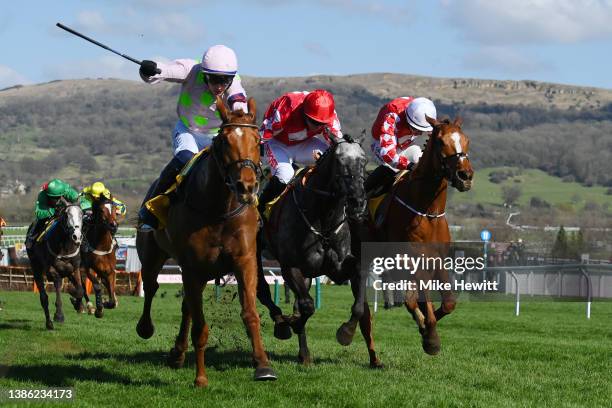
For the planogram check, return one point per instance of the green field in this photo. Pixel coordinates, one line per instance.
(549, 356)
(533, 183)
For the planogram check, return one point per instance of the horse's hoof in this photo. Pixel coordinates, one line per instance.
(90, 308)
(59, 318)
(282, 331)
(50, 325)
(175, 359)
(431, 344)
(304, 360)
(76, 304)
(376, 365)
(145, 329)
(99, 313)
(265, 374)
(345, 334)
(109, 305)
(201, 382)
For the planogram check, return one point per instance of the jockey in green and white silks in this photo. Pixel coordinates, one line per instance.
(49, 198)
(198, 119)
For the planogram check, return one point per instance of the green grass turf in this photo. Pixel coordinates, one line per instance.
(549, 356)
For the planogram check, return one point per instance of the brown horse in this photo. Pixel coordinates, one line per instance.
(98, 252)
(415, 213)
(211, 231)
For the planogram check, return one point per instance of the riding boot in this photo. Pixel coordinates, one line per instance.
(379, 181)
(146, 220)
(270, 192)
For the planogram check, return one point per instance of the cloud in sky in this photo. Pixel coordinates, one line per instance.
(503, 59)
(163, 27)
(106, 66)
(505, 22)
(10, 77)
(317, 49)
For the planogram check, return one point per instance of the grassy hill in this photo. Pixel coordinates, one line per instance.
(119, 131)
(532, 183)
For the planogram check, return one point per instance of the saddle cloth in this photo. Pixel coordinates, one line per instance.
(159, 205)
(374, 203)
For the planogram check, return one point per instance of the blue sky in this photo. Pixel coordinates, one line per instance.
(546, 40)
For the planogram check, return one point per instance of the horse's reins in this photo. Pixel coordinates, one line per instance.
(445, 174)
(324, 236)
(108, 226)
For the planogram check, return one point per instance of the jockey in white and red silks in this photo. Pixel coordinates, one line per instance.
(295, 130)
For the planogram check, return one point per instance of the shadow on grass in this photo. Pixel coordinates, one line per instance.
(16, 324)
(219, 360)
(56, 375)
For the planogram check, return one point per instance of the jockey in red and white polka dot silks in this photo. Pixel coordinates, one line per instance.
(294, 129)
(396, 127)
(398, 124)
(199, 121)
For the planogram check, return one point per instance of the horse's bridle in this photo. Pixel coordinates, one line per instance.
(446, 174)
(63, 214)
(225, 168)
(324, 236)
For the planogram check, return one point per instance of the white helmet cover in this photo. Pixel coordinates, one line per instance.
(220, 59)
(416, 112)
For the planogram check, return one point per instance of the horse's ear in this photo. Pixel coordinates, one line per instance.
(458, 121)
(252, 106)
(222, 109)
(431, 121)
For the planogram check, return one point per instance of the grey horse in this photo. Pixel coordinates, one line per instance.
(309, 232)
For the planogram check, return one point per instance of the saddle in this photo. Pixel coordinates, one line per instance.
(377, 206)
(48, 228)
(301, 176)
(159, 205)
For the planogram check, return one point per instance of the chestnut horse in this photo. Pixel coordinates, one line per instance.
(98, 253)
(211, 231)
(415, 214)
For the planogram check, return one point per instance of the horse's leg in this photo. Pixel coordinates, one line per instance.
(59, 313)
(199, 331)
(365, 322)
(152, 259)
(176, 358)
(109, 281)
(99, 312)
(44, 298)
(246, 274)
(88, 304)
(346, 331)
(294, 278)
(448, 298)
(75, 279)
(430, 338)
(282, 330)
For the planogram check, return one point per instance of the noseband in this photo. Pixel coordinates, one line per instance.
(224, 168)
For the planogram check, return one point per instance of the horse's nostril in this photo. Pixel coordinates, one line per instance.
(463, 175)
